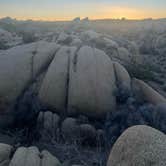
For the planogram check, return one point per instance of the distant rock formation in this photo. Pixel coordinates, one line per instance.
(86, 19)
(77, 19)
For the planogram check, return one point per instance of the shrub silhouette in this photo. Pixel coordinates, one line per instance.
(3, 45)
(26, 110)
(122, 94)
(147, 114)
(28, 37)
(141, 71)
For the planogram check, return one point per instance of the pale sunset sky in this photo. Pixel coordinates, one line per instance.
(94, 9)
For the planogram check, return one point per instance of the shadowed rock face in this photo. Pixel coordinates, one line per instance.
(20, 66)
(139, 145)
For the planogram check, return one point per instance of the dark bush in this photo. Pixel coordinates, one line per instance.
(147, 114)
(141, 71)
(122, 94)
(67, 41)
(26, 110)
(3, 45)
(28, 37)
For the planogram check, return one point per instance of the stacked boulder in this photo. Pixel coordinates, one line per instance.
(75, 80)
(80, 81)
(20, 65)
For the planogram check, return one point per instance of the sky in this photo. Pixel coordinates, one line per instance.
(94, 9)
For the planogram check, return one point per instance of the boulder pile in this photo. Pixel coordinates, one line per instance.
(67, 91)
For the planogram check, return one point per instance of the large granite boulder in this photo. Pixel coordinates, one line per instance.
(80, 81)
(92, 83)
(74, 80)
(139, 145)
(20, 65)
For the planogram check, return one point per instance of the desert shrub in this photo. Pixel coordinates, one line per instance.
(117, 122)
(26, 110)
(9, 27)
(67, 41)
(28, 37)
(122, 94)
(141, 71)
(99, 43)
(164, 87)
(3, 45)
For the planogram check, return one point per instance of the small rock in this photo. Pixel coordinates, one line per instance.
(100, 137)
(88, 133)
(69, 129)
(48, 123)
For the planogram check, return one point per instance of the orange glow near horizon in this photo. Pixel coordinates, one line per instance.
(99, 12)
(130, 13)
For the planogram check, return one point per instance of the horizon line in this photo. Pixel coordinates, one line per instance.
(95, 19)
